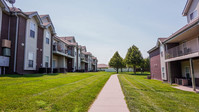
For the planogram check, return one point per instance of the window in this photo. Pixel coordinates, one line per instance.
(30, 59)
(32, 29)
(47, 62)
(47, 37)
(193, 15)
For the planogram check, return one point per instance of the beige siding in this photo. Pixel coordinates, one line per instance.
(79, 60)
(46, 48)
(195, 65)
(162, 62)
(194, 7)
(60, 61)
(184, 64)
(30, 45)
(196, 68)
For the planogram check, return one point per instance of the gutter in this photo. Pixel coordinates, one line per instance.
(16, 41)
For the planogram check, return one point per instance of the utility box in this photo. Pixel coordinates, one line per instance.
(4, 61)
(6, 43)
(6, 51)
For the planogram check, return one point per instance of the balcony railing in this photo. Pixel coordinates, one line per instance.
(61, 49)
(183, 49)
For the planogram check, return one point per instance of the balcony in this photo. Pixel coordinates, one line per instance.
(184, 50)
(84, 59)
(60, 50)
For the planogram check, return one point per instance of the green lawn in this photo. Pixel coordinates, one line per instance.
(72, 92)
(145, 95)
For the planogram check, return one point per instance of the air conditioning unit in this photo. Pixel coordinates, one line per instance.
(6, 43)
(6, 51)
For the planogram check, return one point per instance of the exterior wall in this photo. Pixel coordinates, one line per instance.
(79, 59)
(55, 61)
(75, 59)
(60, 61)
(4, 21)
(0, 27)
(21, 43)
(83, 66)
(4, 18)
(162, 62)
(196, 68)
(40, 48)
(31, 45)
(194, 7)
(155, 64)
(46, 48)
(183, 65)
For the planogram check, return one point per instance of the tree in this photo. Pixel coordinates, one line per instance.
(145, 64)
(116, 61)
(133, 58)
(123, 65)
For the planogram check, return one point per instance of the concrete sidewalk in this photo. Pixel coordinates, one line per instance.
(111, 98)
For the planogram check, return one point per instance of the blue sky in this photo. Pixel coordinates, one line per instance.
(107, 26)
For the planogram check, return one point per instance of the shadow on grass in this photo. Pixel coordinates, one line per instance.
(28, 75)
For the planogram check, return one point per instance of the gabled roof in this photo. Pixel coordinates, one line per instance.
(49, 23)
(94, 58)
(36, 15)
(66, 41)
(187, 7)
(4, 6)
(87, 53)
(28, 15)
(159, 41)
(69, 38)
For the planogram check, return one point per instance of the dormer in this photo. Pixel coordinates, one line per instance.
(191, 10)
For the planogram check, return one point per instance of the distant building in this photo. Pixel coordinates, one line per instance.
(102, 67)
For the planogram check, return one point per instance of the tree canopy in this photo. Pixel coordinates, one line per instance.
(116, 61)
(133, 57)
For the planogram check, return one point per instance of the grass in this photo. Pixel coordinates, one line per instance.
(146, 95)
(72, 92)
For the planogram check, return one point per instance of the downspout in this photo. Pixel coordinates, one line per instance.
(52, 53)
(9, 29)
(16, 41)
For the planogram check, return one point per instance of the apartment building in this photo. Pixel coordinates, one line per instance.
(86, 61)
(64, 54)
(176, 59)
(28, 44)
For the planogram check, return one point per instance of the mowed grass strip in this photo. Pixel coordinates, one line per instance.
(143, 95)
(56, 92)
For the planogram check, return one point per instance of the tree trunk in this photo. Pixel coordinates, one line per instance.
(134, 69)
(121, 70)
(117, 70)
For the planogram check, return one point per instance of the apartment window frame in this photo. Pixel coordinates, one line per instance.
(30, 59)
(32, 29)
(47, 61)
(193, 15)
(47, 37)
